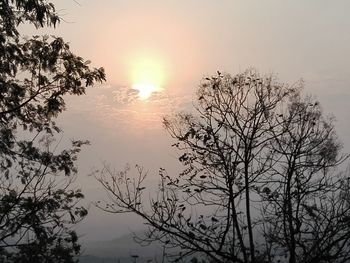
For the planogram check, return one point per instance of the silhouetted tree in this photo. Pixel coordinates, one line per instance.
(37, 204)
(306, 204)
(258, 159)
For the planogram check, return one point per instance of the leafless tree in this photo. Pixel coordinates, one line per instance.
(305, 205)
(250, 145)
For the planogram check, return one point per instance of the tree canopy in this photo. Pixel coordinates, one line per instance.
(37, 203)
(260, 180)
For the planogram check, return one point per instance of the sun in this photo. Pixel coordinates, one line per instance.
(145, 90)
(147, 74)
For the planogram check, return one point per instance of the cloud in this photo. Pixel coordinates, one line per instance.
(119, 108)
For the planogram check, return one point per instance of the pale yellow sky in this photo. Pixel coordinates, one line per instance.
(187, 40)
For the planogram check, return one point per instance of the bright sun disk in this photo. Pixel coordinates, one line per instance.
(145, 90)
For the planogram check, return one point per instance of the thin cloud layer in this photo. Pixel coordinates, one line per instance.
(120, 107)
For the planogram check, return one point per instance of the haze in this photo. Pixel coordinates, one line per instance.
(180, 42)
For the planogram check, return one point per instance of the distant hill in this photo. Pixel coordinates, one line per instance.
(123, 249)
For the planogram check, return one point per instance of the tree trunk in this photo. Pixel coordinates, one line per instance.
(292, 257)
(249, 222)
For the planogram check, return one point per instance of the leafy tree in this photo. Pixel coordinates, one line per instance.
(259, 184)
(37, 203)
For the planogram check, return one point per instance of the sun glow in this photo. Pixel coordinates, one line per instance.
(147, 75)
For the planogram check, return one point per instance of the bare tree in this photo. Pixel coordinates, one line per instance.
(237, 149)
(306, 207)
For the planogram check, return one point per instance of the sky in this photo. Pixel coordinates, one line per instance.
(174, 44)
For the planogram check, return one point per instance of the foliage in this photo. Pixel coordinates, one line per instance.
(37, 204)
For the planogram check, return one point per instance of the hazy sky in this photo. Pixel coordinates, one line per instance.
(177, 43)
